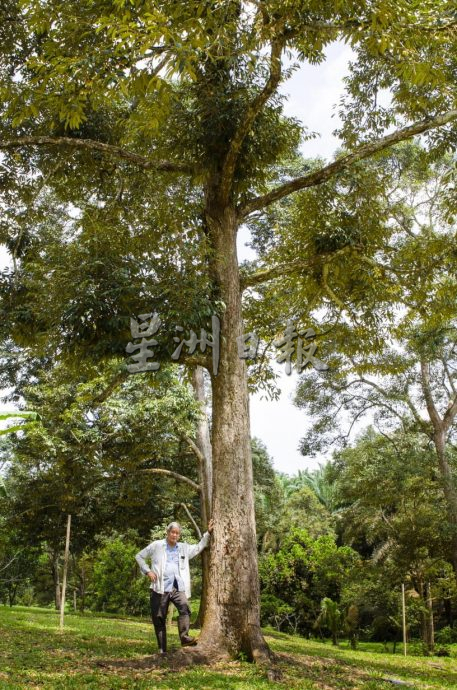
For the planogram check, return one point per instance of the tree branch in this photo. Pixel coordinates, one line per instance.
(266, 274)
(194, 448)
(188, 513)
(450, 413)
(229, 165)
(111, 387)
(427, 390)
(449, 377)
(175, 475)
(93, 145)
(365, 151)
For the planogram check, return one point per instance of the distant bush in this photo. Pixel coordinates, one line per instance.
(117, 586)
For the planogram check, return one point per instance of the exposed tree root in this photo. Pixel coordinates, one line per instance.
(174, 660)
(180, 659)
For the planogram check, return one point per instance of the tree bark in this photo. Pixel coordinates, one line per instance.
(56, 580)
(450, 494)
(441, 427)
(430, 623)
(205, 473)
(232, 620)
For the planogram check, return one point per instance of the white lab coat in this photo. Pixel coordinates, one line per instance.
(156, 554)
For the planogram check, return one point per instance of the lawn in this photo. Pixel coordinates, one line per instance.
(113, 653)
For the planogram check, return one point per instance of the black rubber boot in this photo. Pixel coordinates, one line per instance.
(162, 640)
(183, 629)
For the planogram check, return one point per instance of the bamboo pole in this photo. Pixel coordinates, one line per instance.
(65, 568)
(403, 609)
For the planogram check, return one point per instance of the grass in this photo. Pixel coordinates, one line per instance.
(98, 652)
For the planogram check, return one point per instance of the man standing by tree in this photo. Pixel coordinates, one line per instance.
(170, 580)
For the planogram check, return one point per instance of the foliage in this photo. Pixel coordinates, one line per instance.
(389, 501)
(117, 587)
(302, 572)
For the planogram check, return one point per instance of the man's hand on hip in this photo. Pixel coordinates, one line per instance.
(152, 576)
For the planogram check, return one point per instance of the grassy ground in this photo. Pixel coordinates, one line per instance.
(112, 653)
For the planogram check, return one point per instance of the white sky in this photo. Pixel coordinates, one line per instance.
(312, 91)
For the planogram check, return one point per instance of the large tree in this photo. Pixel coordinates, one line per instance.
(161, 123)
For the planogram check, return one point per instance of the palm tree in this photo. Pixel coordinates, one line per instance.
(330, 616)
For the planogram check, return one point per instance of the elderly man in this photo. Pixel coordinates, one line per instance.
(170, 580)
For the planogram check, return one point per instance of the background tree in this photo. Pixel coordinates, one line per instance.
(403, 374)
(390, 508)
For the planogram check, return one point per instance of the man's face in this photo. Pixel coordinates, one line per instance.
(173, 536)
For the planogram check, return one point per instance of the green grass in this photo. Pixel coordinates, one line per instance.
(105, 652)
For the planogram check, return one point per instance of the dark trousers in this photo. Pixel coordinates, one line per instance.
(159, 610)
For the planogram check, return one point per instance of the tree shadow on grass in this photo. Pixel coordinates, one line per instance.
(174, 660)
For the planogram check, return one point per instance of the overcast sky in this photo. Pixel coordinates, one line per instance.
(312, 91)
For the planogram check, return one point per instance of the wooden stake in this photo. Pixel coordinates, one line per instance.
(65, 568)
(431, 626)
(403, 607)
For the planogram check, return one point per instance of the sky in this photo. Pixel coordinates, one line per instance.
(312, 94)
(312, 91)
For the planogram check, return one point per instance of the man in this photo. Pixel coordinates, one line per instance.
(170, 580)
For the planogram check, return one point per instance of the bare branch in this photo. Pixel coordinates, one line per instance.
(194, 448)
(93, 145)
(5, 567)
(450, 413)
(175, 475)
(449, 376)
(365, 151)
(188, 513)
(427, 390)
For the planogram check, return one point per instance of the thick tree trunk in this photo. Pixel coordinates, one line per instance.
(232, 620)
(205, 472)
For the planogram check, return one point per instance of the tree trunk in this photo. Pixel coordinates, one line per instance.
(447, 605)
(450, 493)
(82, 590)
(441, 426)
(65, 572)
(431, 624)
(56, 580)
(232, 620)
(205, 473)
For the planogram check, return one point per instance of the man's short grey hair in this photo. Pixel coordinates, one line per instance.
(174, 525)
